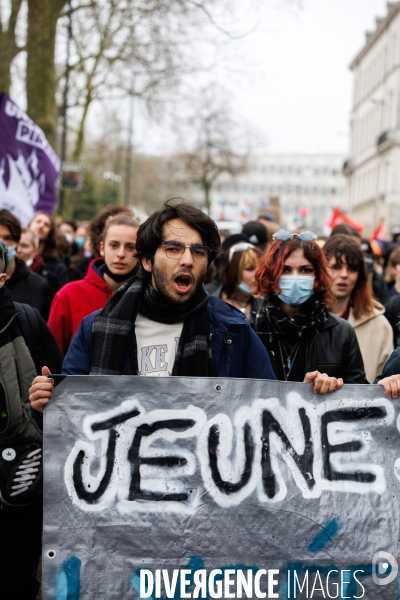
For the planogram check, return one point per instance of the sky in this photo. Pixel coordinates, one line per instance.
(297, 94)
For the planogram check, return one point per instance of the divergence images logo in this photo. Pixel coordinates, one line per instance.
(384, 563)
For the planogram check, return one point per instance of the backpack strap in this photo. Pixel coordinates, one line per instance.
(30, 329)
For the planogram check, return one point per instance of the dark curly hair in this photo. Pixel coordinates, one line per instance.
(149, 236)
(7, 219)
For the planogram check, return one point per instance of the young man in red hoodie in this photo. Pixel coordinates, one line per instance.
(105, 275)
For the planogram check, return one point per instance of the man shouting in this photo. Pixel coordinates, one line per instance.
(163, 322)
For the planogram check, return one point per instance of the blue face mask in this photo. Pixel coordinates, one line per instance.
(79, 241)
(296, 289)
(243, 287)
(11, 252)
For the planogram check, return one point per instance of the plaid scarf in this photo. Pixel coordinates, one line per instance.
(113, 331)
(273, 322)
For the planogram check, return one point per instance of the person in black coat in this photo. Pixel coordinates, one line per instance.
(29, 288)
(24, 285)
(393, 316)
(25, 342)
(293, 323)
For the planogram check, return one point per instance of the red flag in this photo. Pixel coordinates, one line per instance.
(346, 219)
(380, 232)
(334, 218)
(338, 216)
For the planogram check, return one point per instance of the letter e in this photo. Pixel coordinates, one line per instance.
(272, 583)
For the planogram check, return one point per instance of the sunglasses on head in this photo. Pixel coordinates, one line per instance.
(304, 236)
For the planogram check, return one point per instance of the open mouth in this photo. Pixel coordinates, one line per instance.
(183, 283)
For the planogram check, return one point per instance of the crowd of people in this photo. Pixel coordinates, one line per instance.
(175, 296)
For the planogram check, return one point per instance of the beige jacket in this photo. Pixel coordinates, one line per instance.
(375, 338)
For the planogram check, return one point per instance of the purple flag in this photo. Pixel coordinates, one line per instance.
(29, 167)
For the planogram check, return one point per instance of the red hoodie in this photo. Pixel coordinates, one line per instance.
(75, 301)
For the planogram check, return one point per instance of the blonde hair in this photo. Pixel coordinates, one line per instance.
(34, 237)
(231, 270)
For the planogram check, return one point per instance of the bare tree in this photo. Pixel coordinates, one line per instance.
(214, 142)
(114, 42)
(156, 40)
(138, 48)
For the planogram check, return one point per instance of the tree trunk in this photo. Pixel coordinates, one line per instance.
(5, 62)
(81, 130)
(40, 76)
(8, 46)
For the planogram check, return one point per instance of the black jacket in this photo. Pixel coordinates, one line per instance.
(334, 350)
(57, 269)
(48, 354)
(255, 303)
(393, 316)
(29, 288)
(380, 289)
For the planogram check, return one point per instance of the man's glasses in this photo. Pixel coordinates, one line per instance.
(304, 236)
(176, 250)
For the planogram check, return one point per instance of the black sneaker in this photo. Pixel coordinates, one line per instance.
(21, 474)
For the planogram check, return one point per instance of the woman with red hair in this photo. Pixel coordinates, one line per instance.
(293, 323)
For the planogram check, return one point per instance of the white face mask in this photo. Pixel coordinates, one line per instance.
(69, 237)
(296, 289)
(243, 287)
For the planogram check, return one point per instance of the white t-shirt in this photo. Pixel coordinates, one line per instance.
(156, 346)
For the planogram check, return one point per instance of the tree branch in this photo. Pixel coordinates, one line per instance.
(213, 22)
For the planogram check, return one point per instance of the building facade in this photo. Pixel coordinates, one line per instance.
(306, 187)
(372, 168)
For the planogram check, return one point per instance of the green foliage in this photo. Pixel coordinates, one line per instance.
(94, 195)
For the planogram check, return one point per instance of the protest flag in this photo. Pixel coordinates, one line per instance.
(29, 167)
